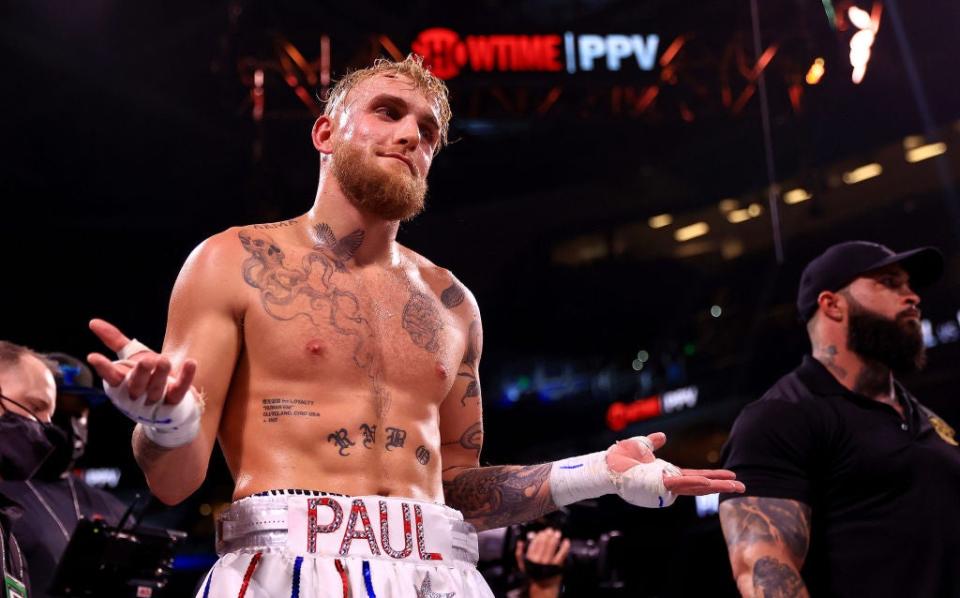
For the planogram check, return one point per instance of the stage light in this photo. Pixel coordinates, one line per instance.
(728, 205)
(867, 171)
(691, 231)
(754, 210)
(660, 221)
(637, 365)
(815, 73)
(795, 196)
(716, 311)
(912, 141)
(643, 356)
(738, 216)
(925, 151)
(862, 41)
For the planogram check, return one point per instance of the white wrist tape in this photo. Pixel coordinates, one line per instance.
(132, 348)
(168, 425)
(588, 476)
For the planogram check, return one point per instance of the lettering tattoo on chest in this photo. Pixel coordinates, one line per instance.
(395, 438)
(342, 440)
(452, 296)
(310, 289)
(422, 321)
(468, 367)
(275, 408)
(369, 435)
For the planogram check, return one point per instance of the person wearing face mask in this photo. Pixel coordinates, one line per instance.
(52, 498)
(27, 400)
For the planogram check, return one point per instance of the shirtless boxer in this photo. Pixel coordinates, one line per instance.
(334, 360)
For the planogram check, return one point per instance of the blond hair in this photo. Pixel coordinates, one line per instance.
(412, 68)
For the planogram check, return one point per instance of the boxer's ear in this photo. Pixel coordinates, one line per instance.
(322, 134)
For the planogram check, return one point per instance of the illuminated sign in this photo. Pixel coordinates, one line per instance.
(620, 415)
(447, 54)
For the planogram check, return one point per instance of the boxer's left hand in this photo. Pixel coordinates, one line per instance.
(626, 454)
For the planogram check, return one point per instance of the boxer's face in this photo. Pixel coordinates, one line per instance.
(30, 384)
(383, 140)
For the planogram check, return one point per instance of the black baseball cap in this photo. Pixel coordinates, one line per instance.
(842, 263)
(75, 377)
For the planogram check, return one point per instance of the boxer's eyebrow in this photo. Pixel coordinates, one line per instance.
(424, 118)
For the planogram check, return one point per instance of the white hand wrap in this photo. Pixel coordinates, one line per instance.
(168, 425)
(588, 476)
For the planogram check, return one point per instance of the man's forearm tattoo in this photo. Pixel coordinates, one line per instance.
(310, 289)
(752, 519)
(468, 367)
(422, 321)
(775, 579)
(342, 440)
(369, 435)
(452, 296)
(492, 497)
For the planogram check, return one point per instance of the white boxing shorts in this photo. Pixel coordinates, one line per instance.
(306, 544)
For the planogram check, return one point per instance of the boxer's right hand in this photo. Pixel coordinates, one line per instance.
(142, 388)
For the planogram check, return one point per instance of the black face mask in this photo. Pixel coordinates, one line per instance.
(25, 446)
(69, 442)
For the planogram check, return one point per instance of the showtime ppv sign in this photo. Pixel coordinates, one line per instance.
(448, 54)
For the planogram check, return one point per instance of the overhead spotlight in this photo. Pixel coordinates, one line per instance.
(691, 231)
(797, 195)
(738, 216)
(867, 171)
(924, 152)
(728, 205)
(912, 141)
(660, 221)
(754, 210)
(815, 73)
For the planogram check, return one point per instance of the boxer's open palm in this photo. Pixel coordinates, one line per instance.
(690, 482)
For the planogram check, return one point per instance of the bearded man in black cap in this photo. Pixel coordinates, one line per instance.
(853, 486)
(52, 499)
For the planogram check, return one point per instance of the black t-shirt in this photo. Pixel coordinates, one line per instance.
(884, 491)
(40, 538)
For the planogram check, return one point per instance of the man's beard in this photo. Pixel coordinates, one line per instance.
(897, 343)
(375, 190)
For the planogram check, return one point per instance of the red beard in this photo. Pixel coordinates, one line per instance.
(374, 189)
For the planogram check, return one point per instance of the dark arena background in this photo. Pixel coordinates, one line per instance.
(631, 193)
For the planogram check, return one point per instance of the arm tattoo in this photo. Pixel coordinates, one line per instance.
(497, 496)
(452, 296)
(752, 519)
(471, 439)
(421, 320)
(775, 579)
(468, 367)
